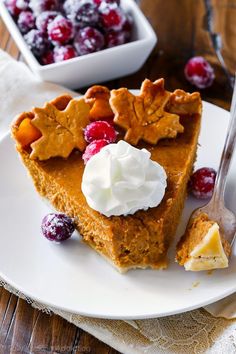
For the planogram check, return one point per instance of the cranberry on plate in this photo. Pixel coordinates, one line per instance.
(202, 182)
(57, 227)
(88, 40)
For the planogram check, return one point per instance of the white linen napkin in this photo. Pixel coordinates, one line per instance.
(20, 89)
(195, 331)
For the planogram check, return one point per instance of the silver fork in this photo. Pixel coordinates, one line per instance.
(216, 209)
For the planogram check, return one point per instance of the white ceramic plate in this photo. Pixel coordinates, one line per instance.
(72, 277)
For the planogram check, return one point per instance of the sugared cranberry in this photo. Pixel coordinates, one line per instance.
(38, 6)
(202, 182)
(26, 21)
(44, 19)
(88, 40)
(47, 58)
(57, 227)
(113, 39)
(112, 19)
(12, 7)
(64, 53)
(98, 2)
(127, 27)
(100, 130)
(22, 4)
(37, 42)
(93, 148)
(60, 30)
(199, 72)
(83, 12)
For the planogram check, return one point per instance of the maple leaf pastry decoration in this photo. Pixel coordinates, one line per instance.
(61, 123)
(145, 117)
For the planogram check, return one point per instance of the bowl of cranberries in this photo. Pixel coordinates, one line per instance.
(79, 42)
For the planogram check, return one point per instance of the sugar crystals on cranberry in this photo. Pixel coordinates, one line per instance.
(37, 42)
(113, 39)
(57, 227)
(44, 19)
(82, 13)
(202, 182)
(57, 30)
(38, 6)
(12, 7)
(47, 58)
(199, 72)
(26, 21)
(22, 4)
(88, 40)
(60, 30)
(64, 53)
(112, 18)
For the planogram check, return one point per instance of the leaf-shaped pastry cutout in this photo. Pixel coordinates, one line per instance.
(144, 117)
(62, 130)
(181, 102)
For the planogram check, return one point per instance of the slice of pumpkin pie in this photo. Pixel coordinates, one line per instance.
(127, 201)
(203, 247)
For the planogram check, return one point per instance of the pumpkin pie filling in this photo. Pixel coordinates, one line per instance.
(140, 240)
(203, 246)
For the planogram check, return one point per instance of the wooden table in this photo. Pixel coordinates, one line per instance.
(26, 330)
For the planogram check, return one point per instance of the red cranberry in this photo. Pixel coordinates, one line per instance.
(64, 53)
(93, 148)
(98, 2)
(60, 30)
(37, 42)
(26, 21)
(38, 6)
(199, 72)
(12, 7)
(128, 26)
(47, 58)
(83, 12)
(22, 4)
(112, 18)
(88, 40)
(44, 19)
(113, 39)
(100, 130)
(202, 182)
(57, 227)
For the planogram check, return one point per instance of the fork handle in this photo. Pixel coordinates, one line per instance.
(227, 154)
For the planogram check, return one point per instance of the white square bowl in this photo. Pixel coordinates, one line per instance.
(93, 68)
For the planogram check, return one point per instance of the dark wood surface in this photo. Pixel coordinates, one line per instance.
(182, 32)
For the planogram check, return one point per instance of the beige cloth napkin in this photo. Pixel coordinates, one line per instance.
(192, 332)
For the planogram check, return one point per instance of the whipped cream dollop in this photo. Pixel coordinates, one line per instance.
(121, 179)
